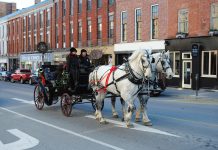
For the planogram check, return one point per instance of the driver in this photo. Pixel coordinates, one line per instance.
(84, 60)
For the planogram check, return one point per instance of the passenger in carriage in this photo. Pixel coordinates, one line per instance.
(84, 61)
(73, 68)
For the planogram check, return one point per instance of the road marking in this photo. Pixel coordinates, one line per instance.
(23, 101)
(25, 141)
(64, 130)
(136, 127)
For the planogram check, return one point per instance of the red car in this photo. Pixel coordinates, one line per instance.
(21, 75)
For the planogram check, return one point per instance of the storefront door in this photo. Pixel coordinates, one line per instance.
(186, 74)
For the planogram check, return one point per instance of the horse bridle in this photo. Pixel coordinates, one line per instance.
(162, 64)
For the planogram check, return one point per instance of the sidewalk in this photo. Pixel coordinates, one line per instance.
(203, 94)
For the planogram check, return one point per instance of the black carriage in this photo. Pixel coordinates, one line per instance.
(53, 85)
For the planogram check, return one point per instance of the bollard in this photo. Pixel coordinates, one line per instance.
(196, 80)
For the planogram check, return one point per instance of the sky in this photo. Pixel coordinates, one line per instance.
(21, 3)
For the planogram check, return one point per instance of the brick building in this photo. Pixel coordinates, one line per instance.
(7, 8)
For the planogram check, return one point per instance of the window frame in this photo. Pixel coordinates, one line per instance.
(174, 63)
(136, 29)
(211, 16)
(183, 10)
(121, 27)
(99, 4)
(151, 27)
(89, 5)
(202, 66)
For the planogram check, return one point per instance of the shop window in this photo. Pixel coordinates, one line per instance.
(183, 21)
(175, 63)
(214, 16)
(186, 56)
(209, 63)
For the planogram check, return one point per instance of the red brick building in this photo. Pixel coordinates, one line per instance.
(61, 24)
(7, 8)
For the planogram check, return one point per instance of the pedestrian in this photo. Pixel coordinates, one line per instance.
(73, 68)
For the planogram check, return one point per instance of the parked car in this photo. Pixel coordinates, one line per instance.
(33, 77)
(5, 75)
(21, 75)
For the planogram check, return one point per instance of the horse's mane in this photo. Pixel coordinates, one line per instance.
(136, 54)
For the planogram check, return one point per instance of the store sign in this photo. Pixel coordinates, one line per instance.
(195, 50)
(35, 57)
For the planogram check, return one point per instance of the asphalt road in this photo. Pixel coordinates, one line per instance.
(177, 125)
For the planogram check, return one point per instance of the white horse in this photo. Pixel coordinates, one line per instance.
(125, 81)
(161, 65)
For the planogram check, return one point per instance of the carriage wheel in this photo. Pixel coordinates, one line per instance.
(66, 104)
(38, 97)
(93, 101)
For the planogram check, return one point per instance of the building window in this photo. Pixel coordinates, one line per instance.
(29, 43)
(79, 6)
(89, 26)
(35, 42)
(99, 27)
(41, 36)
(138, 24)
(111, 26)
(29, 23)
(41, 20)
(48, 18)
(24, 24)
(71, 7)
(35, 21)
(24, 43)
(56, 10)
(89, 4)
(154, 21)
(209, 63)
(111, 2)
(183, 21)
(99, 3)
(48, 39)
(175, 63)
(214, 16)
(123, 26)
(71, 34)
(64, 35)
(80, 31)
(64, 7)
(56, 36)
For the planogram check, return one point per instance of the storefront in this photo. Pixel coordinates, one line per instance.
(122, 50)
(34, 60)
(4, 63)
(13, 63)
(194, 62)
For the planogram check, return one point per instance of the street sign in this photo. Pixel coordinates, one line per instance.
(25, 141)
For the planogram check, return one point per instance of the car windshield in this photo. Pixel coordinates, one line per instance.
(25, 71)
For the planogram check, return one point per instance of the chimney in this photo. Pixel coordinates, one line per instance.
(37, 1)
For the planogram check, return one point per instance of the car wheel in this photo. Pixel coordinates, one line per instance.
(21, 81)
(12, 80)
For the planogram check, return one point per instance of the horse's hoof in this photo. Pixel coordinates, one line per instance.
(147, 123)
(137, 120)
(115, 116)
(130, 126)
(103, 122)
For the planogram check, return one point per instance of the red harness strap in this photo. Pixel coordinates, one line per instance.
(113, 68)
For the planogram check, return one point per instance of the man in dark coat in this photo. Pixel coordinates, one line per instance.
(73, 68)
(84, 60)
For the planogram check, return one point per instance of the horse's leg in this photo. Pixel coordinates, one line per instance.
(143, 108)
(123, 107)
(139, 110)
(99, 101)
(114, 113)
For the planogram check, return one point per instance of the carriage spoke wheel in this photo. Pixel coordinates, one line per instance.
(66, 104)
(94, 105)
(38, 97)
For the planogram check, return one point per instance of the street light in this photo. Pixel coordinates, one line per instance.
(42, 48)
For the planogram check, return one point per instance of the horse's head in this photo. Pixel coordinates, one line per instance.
(141, 60)
(163, 64)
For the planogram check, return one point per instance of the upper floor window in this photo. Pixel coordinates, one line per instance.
(89, 4)
(56, 35)
(154, 21)
(64, 7)
(80, 31)
(89, 26)
(41, 20)
(99, 3)
(64, 35)
(79, 6)
(24, 24)
(29, 23)
(71, 34)
(99, 27)
(111, 2)
(56, 10)
(35, 21)
(111, 26)
(209, 63)
(214, 16)
(175, 63)
(71, 7)
(183, 21)
(48, 16)
(138, 24)
(123, 26)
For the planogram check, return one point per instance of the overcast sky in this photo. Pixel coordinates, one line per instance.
(21, 3)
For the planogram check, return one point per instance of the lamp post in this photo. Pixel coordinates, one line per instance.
(42, 48)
